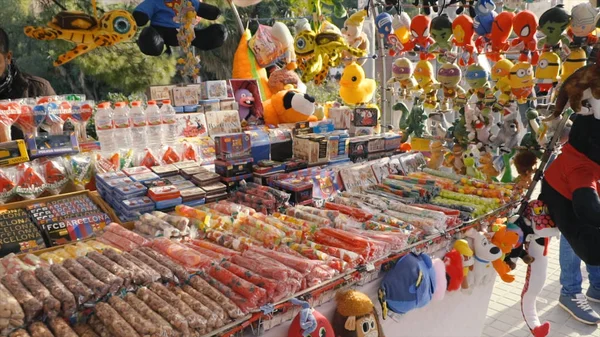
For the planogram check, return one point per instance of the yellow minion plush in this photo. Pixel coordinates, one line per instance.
(547, 72)
(500, 72)
(521, 81)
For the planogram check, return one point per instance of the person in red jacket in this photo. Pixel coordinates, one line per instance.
(570, 191)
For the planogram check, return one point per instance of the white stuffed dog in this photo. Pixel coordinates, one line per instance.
(485, 253)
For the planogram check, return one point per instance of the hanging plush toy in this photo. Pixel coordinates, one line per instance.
(506, 241)
(355, 316)
(402, 73)
(317, 52)
(88, 32)
(553, 24)
(426, 82)
(401, 27)
(468, 257)
(246, 67)
(427, 6)
(355, 88)
(462, 32)
(441, 283)
(500, 73)
(577, 59)
(521, 81)
(471, 161)
(353, 32)
(538, 227)
(488, 168)
(485, 253)
(421, 39)
(525, 26)
(484, 18)
(547, 72)
(441, 33)
(449, 76)
(409, 285)
(477, 78)
(162, 30)
(309, 322)
(498, 38)
(383, 21)
(468, 5)
(583, 24)
(289, 106)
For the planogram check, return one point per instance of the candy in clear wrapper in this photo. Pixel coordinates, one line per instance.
(8, 186)
(148, 159)
(55, 174)
(30, 183)
(9, 113)
(80, 169)
(189, 152)
(169, 155)
(26, 121)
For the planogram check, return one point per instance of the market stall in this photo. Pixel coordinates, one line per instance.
(235, 206)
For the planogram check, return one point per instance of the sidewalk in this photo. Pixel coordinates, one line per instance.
(504, 317)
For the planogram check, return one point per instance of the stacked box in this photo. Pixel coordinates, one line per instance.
(18, 233)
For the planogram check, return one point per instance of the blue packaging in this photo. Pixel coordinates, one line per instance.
(195, 203)
(130, 191)
(260, 145)
(161, 205)
(144, 177)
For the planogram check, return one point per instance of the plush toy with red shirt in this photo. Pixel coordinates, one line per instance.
(570, 189)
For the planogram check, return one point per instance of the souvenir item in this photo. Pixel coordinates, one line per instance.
(425, 79)
(355, 315)
(496, 42)
(402, 73)
(547, 72)
(525, 26)
(355, 88)
(441, 33)
(553, 24)
(521, 80)
(449, 76)
(462, 37)
(421, 39)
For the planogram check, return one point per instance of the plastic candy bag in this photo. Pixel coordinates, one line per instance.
(254, 294)
(187, 257)
(30, 183)
(55, 174)
(8, 186)
(148, 159)
(9, 113)
(80, 169)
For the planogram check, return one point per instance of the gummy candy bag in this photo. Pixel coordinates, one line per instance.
(79, 167)
(30, 184)
(189, 152)
(148, 159)
(169, 155)
(55, 174)
(7, 184)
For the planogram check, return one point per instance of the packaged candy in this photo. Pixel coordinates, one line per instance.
(9, 113)
(148, 159)
(122, 243)
(130, 171)
(80, 169)
(166, 228)
(273, 291)
(187, 257)
(216, 248)
(189, 152)
(81, 114)
(254, 294)
(54, 173)
(26, 121)
(57, 115)
(164, 170)
(8, 186)
(127, 234)
(169, 155)
(30, 183)
(179, 222)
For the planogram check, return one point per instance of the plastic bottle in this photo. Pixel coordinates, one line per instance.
(138, 126)
(169, 123)
(105, 128)
(122, 126)
(154, 128)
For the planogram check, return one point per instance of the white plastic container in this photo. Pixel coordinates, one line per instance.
(122, 125)
(139, 124)
(169, 123)
(105, 128)
(154, 128)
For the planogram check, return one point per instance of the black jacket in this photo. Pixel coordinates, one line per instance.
(25, 86)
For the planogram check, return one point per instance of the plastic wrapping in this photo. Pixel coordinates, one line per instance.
(50, 304)
(178, 222)
(187, 257)
(319, 220)
(268, 267)
(251, 292)
(61, 328)
(223, 300)
(99, 327)
(315, 254)
(131, 316)
(117, 326)
(354, 212)
(353, 259)
(12, 315)
(9, 113)
(152, 274)
(114, 282)
(212, 321)
(80, 169)
(139, 275)
(329, 214)
(118, 241)
(212, 254)
(215, 248)
(39, 329)
(12, 264)
(213, 306)
(84, 330)
(429, 225)
(190, 212)
(163, 308)
(30, 184)
(268, 235)
(55, 174)
(241, 302)
(78, 249)
(397, 241)
(127, 234)
(228, 240)
(280, 196)
(230, 208)
(165, 273)
(32, 307)
(164, 328)
(314, 271)
(180, 272)
(195, 321)
(8, 184)
(81, 292)
(99, 288)
(342, 239)
(273, 291)
(58, 290)
(112, 267)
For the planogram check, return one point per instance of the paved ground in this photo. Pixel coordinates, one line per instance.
(504, 314)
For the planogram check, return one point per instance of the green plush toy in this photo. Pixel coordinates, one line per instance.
(415, 122)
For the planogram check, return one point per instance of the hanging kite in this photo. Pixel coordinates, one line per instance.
(88, 32)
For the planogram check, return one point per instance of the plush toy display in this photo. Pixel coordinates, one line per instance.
(468, 259)
(484, 17)
(289, 106)
(437, 155)
(500, 73)
(525, 25)
(577, 59)
(462, 37)
(449, 76)
(421, 38)
(471, 161)
(583, 24)
(88, 32)
(281, 79)
(409, 285)
(583, 84)
(355, 88)
(162, 30)
(477, 78)
(454, 270)
(355, 316)
(402, 73)
(505, 240)
(246, 67)
(497, 39)
(507, 138)
(401, 27)
(553, 23)
(547, 73)
(484, 253)
(425, 78)
(353, 32)
(488, 167)
(441, 33)
(309, 322)
(521, 79)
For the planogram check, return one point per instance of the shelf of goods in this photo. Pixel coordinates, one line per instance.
(223, 269)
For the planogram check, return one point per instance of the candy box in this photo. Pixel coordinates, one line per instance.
(157, 182)
(74, 229)
(213, 90)
(205, 179)
(111, 184)
(191, 171)
(214, 189)
(136, 170)
(168, 204)
(233, 146)
(227, 104)
(263, 178)
(52, 145)
(186, 164)
(17, 233)
(261, 144)
(299, 189)
(234, 167)
(163, 193)
(392, 141)
(144, 177)
(209, 105)
(129, 191)
(165, 170)
(216, 197)
(191, 194)
(281, 144)
(194, 203)
(176, 178)
(182, 185)
(365, 117)
(376, 144)
(13, 152)
(233, 183)
(341, 117)
(140, 204)
(358, 146)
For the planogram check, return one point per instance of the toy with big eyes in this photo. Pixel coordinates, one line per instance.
(402, 73)
(498, 38)
(521, 81)
(583, 19)
(553, 24)
(500, 72)
(424, 76)
(441, 33)
(484, 17)
(462, 31)
(421, 39)
(477, 77)
(383, 22)
(525, 26)
(449, 76)
(547, 72)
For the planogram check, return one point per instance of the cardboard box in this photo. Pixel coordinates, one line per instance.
(191, 125)
(233, 146)
(185, 96)
(365, 117)
(213, 89)
(223, 122)
(160, 92)
(341, 117)
(14, 152)
(312, 148)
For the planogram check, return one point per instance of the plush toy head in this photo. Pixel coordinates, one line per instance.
(355, 316)
(483, 248)
(401, 27)
(354, 25)
(521, 75)
(505, 239)
(501, 69)
(289, 106)
(309, 323)
(419, 28)
(548, 67)
(502, 28)
(584, 136)
(355, 88)
(441, 29)
(553, 23)
(282, 79)
(423, 73)
(583, 20)
(402, 68)
(525, 25)
(449, 75)
(409, 285)
(454, 270)
(383, 22)
(476, 76)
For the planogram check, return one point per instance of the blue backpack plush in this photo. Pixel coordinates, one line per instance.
(409, 285)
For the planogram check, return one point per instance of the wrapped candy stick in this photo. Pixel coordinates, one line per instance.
(216, 248)
(297, 213)
(254, 294)
(331, 215)
(270, 285)
(356, 213)
(188, 258)
(353, 259)
(81, 114)
(291, 233)
(58, 114)
(190, 212)
(9, 113)
(261, 231)
(230, 241)
(315, 254)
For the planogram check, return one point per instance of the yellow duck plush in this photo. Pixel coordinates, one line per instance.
(354, 87)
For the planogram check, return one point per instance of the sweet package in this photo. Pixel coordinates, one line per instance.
(18, 233)
(233, 146)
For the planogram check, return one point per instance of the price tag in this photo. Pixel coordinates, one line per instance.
(370, 267)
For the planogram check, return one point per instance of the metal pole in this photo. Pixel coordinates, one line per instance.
(237, 16)
(383, 76)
